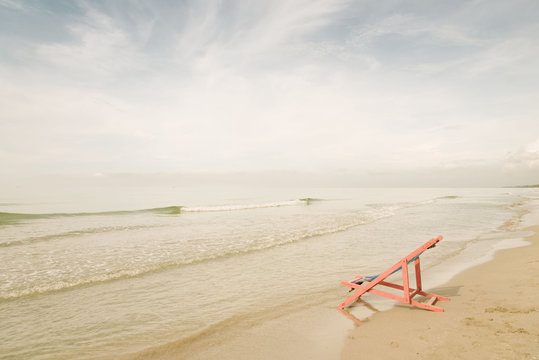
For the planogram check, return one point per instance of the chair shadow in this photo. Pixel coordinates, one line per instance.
(447, 291)
(354, 319)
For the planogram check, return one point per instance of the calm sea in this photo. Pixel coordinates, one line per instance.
(92, 272)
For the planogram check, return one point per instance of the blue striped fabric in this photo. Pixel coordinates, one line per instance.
(372, 277)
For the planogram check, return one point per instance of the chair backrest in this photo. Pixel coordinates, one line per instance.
(416, 253)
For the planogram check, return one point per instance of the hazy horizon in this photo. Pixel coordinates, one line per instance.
(277, 93)
(447, 179)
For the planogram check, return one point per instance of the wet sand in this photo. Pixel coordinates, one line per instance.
(316, 332)
(493, 314)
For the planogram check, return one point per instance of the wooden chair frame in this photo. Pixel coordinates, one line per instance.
(408, 293)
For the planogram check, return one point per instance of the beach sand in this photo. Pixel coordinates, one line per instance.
(315, 332)
(493, 314)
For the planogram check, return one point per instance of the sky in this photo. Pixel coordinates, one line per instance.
(317, 92)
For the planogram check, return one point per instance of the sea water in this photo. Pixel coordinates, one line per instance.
(90, 272)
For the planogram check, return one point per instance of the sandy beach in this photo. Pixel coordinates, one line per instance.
(493, 314)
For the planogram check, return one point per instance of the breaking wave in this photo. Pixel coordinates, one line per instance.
(7, 217)
(68, 234)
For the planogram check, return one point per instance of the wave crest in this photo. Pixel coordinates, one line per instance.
(8, 218)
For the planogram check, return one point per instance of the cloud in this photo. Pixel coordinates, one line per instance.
(99, 53)
(259, 86)
(12, 4)
(528, 157)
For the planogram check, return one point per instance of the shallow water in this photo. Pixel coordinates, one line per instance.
(93, 272)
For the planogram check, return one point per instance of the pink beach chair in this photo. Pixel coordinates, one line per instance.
(409, 293)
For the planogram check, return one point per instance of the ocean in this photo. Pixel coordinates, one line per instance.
(93, 272)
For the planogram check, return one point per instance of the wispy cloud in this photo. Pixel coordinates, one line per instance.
(241, 85)
(12, 4)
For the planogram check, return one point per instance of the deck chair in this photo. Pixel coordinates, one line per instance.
(364, 284)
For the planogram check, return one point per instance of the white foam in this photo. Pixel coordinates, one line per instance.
(243, 206)
(532, 217)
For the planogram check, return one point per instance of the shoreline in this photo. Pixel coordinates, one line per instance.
(492, 314)
(480, 321)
